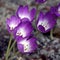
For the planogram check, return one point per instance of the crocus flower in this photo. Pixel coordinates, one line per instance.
(27, 45)
(24, 29)
(40, 1)
(56, 10)
(12, 23)
(23, 12)
(46, 22)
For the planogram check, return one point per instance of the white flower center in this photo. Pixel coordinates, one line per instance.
(59, 10)
(12, 26)
(24, 16)
(26, 45)
(21, 32)
(44, 24)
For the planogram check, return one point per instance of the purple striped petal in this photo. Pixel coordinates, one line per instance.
(12, 23)
(23, 12)
(46, 23)
(32, 14)
(23, 30)
(56, 10)
(27, 45)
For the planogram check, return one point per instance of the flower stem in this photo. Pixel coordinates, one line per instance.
(14, 50)
(37, 6)
(7, 53)
(12, 45)
(51, 34)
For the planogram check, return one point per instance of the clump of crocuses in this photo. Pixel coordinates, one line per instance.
(20, 25)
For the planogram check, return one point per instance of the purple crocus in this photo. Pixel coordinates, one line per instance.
(23, 30)
(40, 1)
(12, 23)
(27, 45)
(46, 22)
(56, 10)
(23, 12)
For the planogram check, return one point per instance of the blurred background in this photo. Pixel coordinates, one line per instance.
(47, 49)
